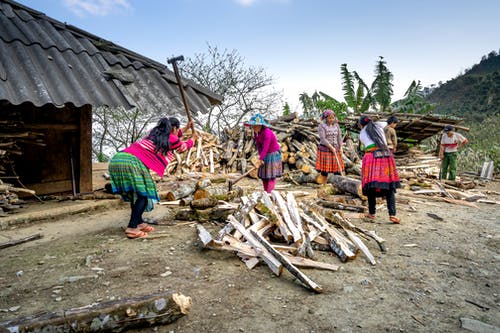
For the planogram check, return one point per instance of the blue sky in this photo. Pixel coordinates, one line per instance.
(301, 43)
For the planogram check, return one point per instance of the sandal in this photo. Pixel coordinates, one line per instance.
(135, 234)
(395, 219)
(145, 227)
(370, 217)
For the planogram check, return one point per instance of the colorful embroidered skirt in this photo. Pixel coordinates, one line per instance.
(130, 177)
(379, 172)
(273, 166)
(326, 161)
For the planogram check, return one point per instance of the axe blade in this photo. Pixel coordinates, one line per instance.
(175, 59)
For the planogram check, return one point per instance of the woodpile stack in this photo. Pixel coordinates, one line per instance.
(9, 200)
(278, 231)
(12, 136)
(205, 156)
(298, 139)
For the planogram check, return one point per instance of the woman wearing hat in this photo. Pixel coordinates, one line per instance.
(269, 164)
(379, 176)
(329, 154)
(450, 143)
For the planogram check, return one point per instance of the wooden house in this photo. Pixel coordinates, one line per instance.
(52, 76)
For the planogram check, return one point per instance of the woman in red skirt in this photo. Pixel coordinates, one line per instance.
(379, 176)
(329, 154)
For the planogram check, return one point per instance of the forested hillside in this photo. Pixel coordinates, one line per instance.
(474, 95)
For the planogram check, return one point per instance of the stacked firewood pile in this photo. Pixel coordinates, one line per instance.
(12, 136)
(298, 139)
(204, 157)
(9, 200)
(278, 231)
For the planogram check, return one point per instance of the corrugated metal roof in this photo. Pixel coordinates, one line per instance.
(44, 61)
(411, 127)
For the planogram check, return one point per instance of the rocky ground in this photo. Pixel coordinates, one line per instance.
(433, 273)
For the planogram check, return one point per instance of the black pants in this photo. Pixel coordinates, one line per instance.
(390, 198)
(138, 208)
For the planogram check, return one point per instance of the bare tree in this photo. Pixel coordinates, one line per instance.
(245, 90)
(116, 128)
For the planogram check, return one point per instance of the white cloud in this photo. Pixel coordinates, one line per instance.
(96, 7)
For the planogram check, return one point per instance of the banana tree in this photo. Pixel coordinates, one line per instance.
(413, 101)
(382, 86)
(358, 99)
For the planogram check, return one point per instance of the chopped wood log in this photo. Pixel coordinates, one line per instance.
(359, 243)
(203, 183)
(278, 199)
(341, 206)
(113, 316)
(5, 188)
(334, 217)
(308, 263)
(339, 244)
(346, 184)
(210, 214)
(182, 191)
(204, 235)
(218, 192)
(273, 263)
(247, 205)
(20, 241)
(306, 281)
(275, 217)
(203, 203)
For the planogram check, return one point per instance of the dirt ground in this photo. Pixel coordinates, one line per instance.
(433, 273)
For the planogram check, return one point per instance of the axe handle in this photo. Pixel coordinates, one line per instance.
(232, 182)
(183, 94)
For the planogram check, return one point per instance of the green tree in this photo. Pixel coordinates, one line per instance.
(414, 101)
(382, 86)
(358, 99)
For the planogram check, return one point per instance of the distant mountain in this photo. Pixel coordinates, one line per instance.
(473, 95)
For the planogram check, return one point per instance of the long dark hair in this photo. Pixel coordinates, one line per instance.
(160, 135)
(372, 132)
(174, 122)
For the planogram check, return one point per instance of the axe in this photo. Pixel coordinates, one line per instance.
(173, 62)
(232, 182)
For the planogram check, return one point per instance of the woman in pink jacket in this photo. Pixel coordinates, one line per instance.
(130, 172)
(269, 164)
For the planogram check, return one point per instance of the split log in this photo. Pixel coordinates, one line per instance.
(278, 199)
(308, 263)
(341, 206)
(247, 205)
(306, 281)
(113, 316)
(180, 192)
(275, 217)
(273, 263)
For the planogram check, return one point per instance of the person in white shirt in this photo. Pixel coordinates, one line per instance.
(379, 176)
(450, 143)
